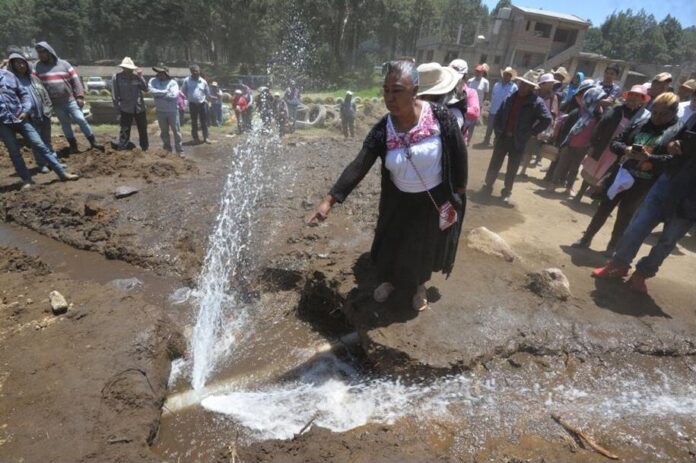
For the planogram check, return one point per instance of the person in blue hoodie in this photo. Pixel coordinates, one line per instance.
(15, 115)
(573, 87)
(41, 107)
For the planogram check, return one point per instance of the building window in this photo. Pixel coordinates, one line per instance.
(542, 30)
(450, 56)
(497, 59)
(419, 56)
(483, 58)
(529, 26)
(429, 56)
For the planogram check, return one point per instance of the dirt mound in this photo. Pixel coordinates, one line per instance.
(14, 260)
(150, 165)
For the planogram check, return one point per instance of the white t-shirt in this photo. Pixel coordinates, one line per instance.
(427, 156)
(685, 111)
(481, 86)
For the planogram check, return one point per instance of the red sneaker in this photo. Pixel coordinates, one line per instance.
(637, 283)
(611, 270)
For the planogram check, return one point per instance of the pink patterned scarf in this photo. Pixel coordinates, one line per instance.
(427, 127)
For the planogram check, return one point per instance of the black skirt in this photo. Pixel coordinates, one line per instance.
(409, 245)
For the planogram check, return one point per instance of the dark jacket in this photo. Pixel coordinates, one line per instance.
(454, 171)
(607, 125)
(534, 118)
(628, 137)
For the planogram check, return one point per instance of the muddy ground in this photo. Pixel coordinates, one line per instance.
(88, 385)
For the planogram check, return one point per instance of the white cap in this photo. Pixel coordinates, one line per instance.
(460, 66)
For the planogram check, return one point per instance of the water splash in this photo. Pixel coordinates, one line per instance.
(339, 399)
(222, 309)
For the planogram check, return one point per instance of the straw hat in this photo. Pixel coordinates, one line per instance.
(530, 77)
(663, 77)
(238, 92)
(214, 84)
(161, 68)
(585, 85)
(690, 84)
(509, 70)
(349, 93)
(127, 63)
(561, 71)
(434, 79)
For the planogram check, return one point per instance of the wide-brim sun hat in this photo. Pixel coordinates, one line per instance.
(546, 78)
(529, 77)
(349, 93)
(639, 90)
(509, 70)
(238, 92)
(434, 79)
(127, 63)
(161, 68)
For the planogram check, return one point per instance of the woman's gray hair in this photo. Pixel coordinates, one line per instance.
(401, 67)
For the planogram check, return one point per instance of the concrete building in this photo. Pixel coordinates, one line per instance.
(524, 38)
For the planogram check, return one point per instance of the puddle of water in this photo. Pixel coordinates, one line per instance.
(86, 265)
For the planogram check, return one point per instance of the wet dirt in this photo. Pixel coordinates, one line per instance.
(314, 284)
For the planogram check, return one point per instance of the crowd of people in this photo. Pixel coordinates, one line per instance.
(636, 150)
(633, 150)
(30, 95)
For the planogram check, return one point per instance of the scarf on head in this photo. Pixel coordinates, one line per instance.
(590, 102)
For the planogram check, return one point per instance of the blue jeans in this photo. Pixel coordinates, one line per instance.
(46, 156)
(170, 121)
(650, 215)
(216, 113)
(43, 127)
(70, 112)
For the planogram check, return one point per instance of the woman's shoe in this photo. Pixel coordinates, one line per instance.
(383, 291)
(610, 271)
(420, 299)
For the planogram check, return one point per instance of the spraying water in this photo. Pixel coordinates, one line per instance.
(222, 310)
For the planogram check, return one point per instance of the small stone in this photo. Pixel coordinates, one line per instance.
(58, 303)
(551, 283)
(487, 242)
(125, 191)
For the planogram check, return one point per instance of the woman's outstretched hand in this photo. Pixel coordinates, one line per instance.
(322, 211)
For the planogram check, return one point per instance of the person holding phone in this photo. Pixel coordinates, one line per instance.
(638, 141)
(671, 201)
(424, 174)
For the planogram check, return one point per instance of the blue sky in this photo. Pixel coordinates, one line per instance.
(597, 10)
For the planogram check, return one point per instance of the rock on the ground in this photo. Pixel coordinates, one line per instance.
(125, 191)
(483, 240)
(58, 303)
(550, 282)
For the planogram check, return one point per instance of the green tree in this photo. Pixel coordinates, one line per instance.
(673, 35)
(63, 23)
(499, 5)
(18, 24)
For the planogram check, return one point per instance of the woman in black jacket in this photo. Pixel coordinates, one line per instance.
(643, 136)
(424, 166)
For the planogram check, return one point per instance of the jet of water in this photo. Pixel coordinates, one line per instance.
(221, 307)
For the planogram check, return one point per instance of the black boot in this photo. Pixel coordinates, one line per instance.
(94, 145)
(73, 146)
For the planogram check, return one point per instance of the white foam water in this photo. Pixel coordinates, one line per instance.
(222, 312)
(335, 396)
